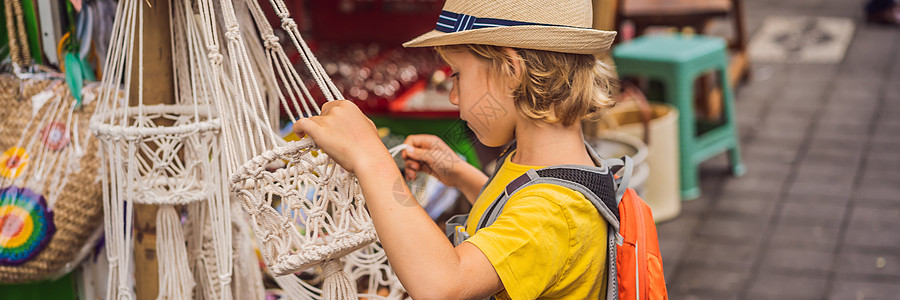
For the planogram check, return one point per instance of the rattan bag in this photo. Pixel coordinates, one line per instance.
(50, 209)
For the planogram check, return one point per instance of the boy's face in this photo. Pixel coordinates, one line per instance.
(488, 112)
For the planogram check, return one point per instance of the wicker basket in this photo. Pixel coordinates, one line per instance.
(75, 208)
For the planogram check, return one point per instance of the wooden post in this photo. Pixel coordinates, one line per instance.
(159, 88)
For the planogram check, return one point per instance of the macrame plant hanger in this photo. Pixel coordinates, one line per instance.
(312, 191)
(164, 155)
(304, 209)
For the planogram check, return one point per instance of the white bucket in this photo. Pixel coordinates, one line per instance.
(663, 184)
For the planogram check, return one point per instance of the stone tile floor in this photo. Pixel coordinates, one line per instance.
(817, 216)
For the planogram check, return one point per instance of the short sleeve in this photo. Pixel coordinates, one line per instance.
(528, 244)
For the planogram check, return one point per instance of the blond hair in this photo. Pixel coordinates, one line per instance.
(553, 87)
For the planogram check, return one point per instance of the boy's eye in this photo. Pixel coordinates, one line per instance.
(455, 74)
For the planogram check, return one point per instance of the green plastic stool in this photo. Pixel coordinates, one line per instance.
(676, 61)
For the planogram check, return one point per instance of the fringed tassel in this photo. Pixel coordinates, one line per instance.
(175, 278)
(194, 236)
(248, 283)
(336, 286)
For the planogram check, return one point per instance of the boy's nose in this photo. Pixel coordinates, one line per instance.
(454, 96)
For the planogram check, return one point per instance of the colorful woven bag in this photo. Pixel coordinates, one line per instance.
(50, 209)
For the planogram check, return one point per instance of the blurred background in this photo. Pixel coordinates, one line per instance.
(765, 131)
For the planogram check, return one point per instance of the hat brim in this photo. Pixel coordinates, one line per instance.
(538, 37)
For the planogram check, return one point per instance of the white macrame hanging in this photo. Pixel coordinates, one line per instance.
(304, 209)
(164, 165)
(370, 265)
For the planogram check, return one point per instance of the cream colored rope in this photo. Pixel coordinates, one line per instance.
(321, 216)
(177, 164)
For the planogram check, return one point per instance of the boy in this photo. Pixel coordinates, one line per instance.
(523, 71)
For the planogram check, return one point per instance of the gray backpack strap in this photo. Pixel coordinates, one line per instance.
(612, 280)
(596, 184)
(490, 215)
(455, 229)
(598, 161)
(615, 165)
(493, 211)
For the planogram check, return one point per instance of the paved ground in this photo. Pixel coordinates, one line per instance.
(817, 216)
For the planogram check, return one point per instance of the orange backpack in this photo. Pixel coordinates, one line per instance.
(634, 268)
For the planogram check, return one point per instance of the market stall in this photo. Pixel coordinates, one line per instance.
(153, 82)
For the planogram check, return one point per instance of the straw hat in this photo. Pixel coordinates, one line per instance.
(552, 25)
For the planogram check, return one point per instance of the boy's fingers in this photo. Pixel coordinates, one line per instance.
(406, 153)
(306, 126)
(420, 140)
(329, 105)
(413, 165)
(414, 153)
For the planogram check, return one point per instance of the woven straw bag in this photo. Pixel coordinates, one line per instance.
(71, 214)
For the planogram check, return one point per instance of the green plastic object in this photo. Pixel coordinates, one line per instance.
(60, 289)
(452, 131)
(77, 72)
(676, 61)
(74, 76)
(31, 29)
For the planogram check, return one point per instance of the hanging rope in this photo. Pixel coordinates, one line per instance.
(175, 279)
(336, 286)
(322, 214)
(176, 164)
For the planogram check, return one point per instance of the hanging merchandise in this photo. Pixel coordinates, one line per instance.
(307, 213)
(305, 210)
(73, 49)
(27, 225)
(166, 155)
(103, 15)
(50, 208)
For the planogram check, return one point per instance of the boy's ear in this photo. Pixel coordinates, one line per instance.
(516, 62)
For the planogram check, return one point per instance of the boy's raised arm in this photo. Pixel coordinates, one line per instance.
(427, 264)
(423, 258)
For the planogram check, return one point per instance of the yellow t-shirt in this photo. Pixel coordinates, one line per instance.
(548, 243)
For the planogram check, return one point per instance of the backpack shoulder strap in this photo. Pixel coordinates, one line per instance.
(596, 184)
(624, 164)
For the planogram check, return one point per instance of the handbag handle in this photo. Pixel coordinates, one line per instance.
(631, 93)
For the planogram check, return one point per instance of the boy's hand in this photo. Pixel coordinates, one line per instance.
(345, 134)
(429, 154)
